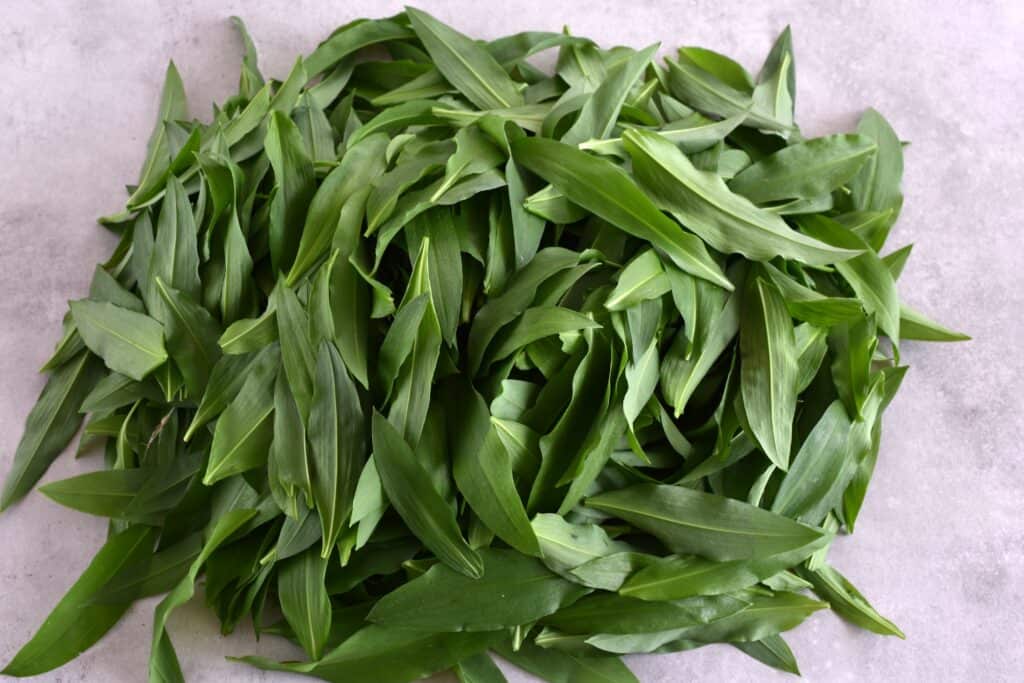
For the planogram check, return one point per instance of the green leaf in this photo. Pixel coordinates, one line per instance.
(388, 655)
(814, 483)
(106, 493)
(565, 546)
(703, 340)
(337, 434)
(611, 613)
(76, 623)
(420, 506)
(191, 335)
(866, 273)
(296, 182)
(513, 590)
(643, 278)
(846, 601)
(703, 203)
(772, 651)
(128, 342)
(704, 524)
(51, 423)
(601, 111)
(518, 295)
(351, 38)
(479, 669)
(568, 667)
(289, 450)
(768, 370)
(297, 353)
(607, 191)
(465, 64)
(804, 170)
(226, 380)
(243, 432)
(175, 256)
(483, 469)
(877, 186)
(918, 326)
(537, 323)
(163, 662)
(304, 600)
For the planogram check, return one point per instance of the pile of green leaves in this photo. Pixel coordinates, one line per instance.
(426, 352)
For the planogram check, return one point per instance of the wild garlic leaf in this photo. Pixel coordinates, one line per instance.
(423, 509)
(601, 187)
(337, 435)
(128, 342)
(705, 524)
(804, 170)
(464, 64)
(514, 589)
(768, 369)
(702, 202)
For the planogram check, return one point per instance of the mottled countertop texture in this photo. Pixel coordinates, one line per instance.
(940, 545)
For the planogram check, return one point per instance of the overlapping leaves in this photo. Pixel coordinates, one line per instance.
(441, 353)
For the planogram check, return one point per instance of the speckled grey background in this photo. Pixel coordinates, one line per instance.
(940, 544)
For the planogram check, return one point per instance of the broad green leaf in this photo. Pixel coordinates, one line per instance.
(866, 273)
(606, 190)
(775, 93)
(163, 661)
(568, 667)
(479, 669)
(422, 508)
(694, 351)
(768, 370)
(241, 439)
(51, 423)
(703, 203)
(296, 183)
(298, 356)
(128, 342)
(106, 493)
(337, 434)
(846, 601)
(289, 449)
(599, 114)
(191, 335)
(388, 655)
(226, 380)
(76, 623)
(918, 326)
(175, 256)
(767, 615)
(715, 527)
(304, 600)
(611, 613)
(518, 295)
(804, 170)
(537, 323)
(465, 64)
(351, 38)
(361, 164)
(772, 651)
(704, 92)
(513, 590)
(809, 489)
(565, 546)
(877, 186)
(643, 278)
(677, 578)
(483, 469)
